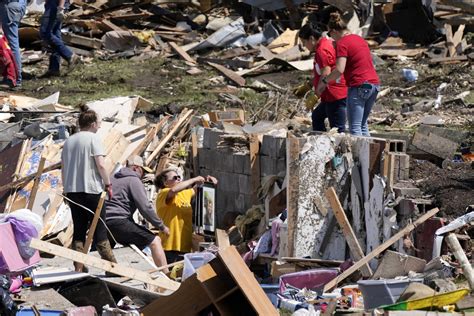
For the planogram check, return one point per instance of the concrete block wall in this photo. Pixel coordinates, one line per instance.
(232, 169)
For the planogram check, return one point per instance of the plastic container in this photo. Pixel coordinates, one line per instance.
(192, 261)
(382, 292)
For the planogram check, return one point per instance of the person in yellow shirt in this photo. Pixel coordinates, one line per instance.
(173, 205)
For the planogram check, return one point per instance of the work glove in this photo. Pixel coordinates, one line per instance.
(302, 89)
(311, 100)
(60, 15)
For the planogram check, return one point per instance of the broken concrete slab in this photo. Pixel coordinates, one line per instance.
(395, 264)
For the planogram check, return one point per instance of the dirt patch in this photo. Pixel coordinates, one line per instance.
(452, 187)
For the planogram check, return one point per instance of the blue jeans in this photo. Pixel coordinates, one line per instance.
(359, 104)
(334, 111)
(50, 32)
(11, 13)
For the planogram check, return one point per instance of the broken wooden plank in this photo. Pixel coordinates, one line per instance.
(351, 239)
(74, 39)
(449, 40)
(181, 52)
(444, 60)
(106, 25)
(95, 220)
(227, 62)
(292, 174)
(103, 264)
(34, 189)
(239, 80)
(254, 166)
(148, 138)
(177, 125)
(331, 284)
(26, 179)
(222, 239)
(457, 37)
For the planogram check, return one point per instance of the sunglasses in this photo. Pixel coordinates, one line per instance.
(176, 178)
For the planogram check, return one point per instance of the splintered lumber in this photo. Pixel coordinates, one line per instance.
(229, 74)
(73, 39)
(449, 40)
(34, 189)
(176, 126)
(26, 179)
(331, 284)
(254, 166)
(103, 264)
(148, 138)
(347, 230)
(460, 255)
(181, 52)
(222, 239)
(95, 220)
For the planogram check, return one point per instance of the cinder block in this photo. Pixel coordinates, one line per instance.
(223, 161)
(281, 165)
(211, 138)
(204, 158)
(241, 163)
(406, 191)
(274, 147)
(228, 182)
(268, 166)
(245, 184)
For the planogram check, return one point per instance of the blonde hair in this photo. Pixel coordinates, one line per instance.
(336, 22)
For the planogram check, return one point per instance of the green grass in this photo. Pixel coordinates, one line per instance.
(163, 81)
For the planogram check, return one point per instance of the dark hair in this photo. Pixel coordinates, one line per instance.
(308, 30)
(87, 116)
(336, 22)
(161, 178)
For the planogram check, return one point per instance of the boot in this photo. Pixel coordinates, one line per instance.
(105, 251)
(79, 246)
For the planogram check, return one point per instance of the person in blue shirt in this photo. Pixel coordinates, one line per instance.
(50, 32)
(11, 13)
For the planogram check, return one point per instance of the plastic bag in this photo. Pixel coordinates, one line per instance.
(7, 305)
(25, 225)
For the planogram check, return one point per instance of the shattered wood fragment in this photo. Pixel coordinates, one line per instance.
(331, 284)
(148, 138)
(351, 239)
(103, 264)
(106, 25)
(182, 119)
(74, 39)
(181, 52)
(447, 60)
(229, 74)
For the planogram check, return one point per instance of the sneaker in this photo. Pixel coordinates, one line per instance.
(73, 62)
(50, 73)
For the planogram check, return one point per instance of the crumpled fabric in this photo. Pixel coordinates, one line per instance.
(23, 232)
(276, 225)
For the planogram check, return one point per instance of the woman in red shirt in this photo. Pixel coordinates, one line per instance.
(355, 62)
(333, 98)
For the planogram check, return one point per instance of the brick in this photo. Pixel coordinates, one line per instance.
(241, 163)
(268, 166)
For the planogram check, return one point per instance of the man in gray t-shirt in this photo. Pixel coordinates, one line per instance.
(84, 178)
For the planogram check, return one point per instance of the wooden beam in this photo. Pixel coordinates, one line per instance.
(194, 150)
(103, 264)
(73, 39)
(181, 121)
(27, 179)
(457, 37)
(331, 284)
(34, 189)
(449, 40)
(181, 52)
(292, 174)
(222, 239)
(351, 239)
(240, 81)
(254, 166)
(135, 130)
(444, 60)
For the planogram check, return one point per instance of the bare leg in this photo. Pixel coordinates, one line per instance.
(158, 253)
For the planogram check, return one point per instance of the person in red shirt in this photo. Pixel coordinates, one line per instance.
(355, 62)
(333, 98)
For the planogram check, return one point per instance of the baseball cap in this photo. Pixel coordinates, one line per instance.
(136, 160)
